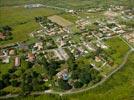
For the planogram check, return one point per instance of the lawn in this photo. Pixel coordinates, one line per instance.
(4, 68)
(117, 49)
(92, 16)
(119, 87)
(21, 32)
(69, 17)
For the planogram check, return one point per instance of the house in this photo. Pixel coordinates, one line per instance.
(97, 59)
(2, 37)
(31, 57)
(23, 46)
(5, 59)
(63, 74)
(33, 5)
(38, 45)
(17, 61)
(70, 11)
(12, 52)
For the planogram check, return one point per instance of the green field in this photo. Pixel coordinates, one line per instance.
(118, 48)
(119, 86)
(69, 3)
(22, 21)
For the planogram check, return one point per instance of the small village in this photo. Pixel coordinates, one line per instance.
(61, 50)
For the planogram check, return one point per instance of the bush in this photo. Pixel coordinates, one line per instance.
(78, 84)
(64, 85)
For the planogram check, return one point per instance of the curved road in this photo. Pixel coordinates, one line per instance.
(104, 79)
(78, 91)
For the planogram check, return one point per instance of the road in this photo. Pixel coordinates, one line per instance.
(101, 82)
(78, 91)
(45, 6)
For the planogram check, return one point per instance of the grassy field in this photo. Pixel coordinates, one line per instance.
(22, 21)
(118, 47)
(70, 3)
(60, 21)
(69, 17)
(119, 87)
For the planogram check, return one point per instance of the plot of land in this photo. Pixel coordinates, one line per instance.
(60, 21)
(117, 49)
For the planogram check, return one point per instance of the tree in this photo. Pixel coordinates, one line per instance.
(27, 87)
(12, 70)
(85, 77)
(93, 73)
(35, 84)
(78, 84)
(51, 72)
(2, 85)
(34, 74)
(6, 78)
(7, 30)
(64, 85)
(40, 18)
(41, 59)
(71, 64)
(14, 83)
(75, 74)
(30, 64)
(98, 51)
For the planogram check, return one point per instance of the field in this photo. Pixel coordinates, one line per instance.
(119, 87)
(69, 17)
(117, 48)
(22, 21)
(70, 3)
(60, 21)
